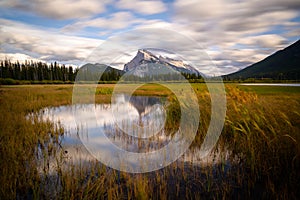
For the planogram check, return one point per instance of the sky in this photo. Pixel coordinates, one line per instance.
(233, 33)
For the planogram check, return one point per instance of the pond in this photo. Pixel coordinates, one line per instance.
(132, 124)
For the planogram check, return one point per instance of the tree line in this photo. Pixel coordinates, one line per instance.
(36, 71)
(40, 72)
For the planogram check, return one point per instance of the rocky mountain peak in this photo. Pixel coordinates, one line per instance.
(144, 56)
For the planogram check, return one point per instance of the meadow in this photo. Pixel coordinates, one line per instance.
(261, 132)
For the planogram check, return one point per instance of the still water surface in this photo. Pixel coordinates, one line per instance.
(134, 124)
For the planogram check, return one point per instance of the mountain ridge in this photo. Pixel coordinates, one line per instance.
(144, 56)
(283, 64)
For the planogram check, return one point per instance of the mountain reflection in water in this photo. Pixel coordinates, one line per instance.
(126, 123)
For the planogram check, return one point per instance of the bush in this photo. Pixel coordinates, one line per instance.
(8, 81)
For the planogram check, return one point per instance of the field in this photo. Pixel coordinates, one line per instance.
(261, 132)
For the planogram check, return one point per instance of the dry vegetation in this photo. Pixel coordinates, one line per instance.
(261, 132)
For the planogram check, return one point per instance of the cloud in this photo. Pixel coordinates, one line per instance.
(258, 24)
(233, 33)
(294, 32)
(44, 44)
(264, 41)
(14, 57)
(142, 7)
(241, 32)
(59, 9)
(48, 46)
(228, 50)
(217, 9)
(119, 20)
(245, 17)
(228, 18)
(117, 48)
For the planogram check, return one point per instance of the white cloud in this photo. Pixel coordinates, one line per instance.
(59, 9)
(243, 32)
(245, 17)
(257, 24)
(234, 33)
(117, 48)
(142, 6)
(14, 57)
(47, 45)
(265, 41)
(44, 44)
(117, 20)
(232, 50)
(217, 9)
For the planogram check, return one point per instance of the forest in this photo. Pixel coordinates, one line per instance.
(40, 72)
(36, 71)
(30, 72)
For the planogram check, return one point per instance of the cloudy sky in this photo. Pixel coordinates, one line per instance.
(234, 33)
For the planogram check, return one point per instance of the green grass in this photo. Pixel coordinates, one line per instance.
(261, 131)
(271, 90)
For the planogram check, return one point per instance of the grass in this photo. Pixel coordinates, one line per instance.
(261, 131)
(271, 90)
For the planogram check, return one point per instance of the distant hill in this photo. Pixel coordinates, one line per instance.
(102, 68)
(282, 65)
(94, 71)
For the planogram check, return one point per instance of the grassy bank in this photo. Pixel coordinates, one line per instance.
(261, 131)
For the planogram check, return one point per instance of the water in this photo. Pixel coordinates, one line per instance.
(133, 124)
(272, 84)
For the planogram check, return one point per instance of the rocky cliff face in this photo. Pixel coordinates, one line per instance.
(142, 57)
(146, 57)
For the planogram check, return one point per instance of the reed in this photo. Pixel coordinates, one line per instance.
(261, 134)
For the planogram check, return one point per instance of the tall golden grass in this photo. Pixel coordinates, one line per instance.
(261, 133)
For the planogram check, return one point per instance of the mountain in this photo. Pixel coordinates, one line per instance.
(284, 64)
(99, 68)
(146, 62)
(92, 72)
